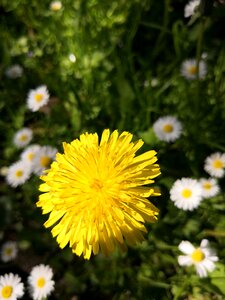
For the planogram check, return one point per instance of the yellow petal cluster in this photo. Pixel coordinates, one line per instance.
(96, 193)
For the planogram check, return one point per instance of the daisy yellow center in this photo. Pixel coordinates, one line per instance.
(197, 255)
(168, 128)
(186, 193)
(38, 97)
(30, 156)
(192, 70)
(96, 192)
(19, 173)
(218, 164)
(7, 291)
(207, 185)
(23, 137)
(41, 282)
(45, 161)
(8, 251)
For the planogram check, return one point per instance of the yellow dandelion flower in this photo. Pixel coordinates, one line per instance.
(96, 193)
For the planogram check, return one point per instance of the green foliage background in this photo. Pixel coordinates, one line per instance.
(120, 46)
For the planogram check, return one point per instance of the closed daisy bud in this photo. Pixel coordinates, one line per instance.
(18, 173)
(22, 137)
(55, 5)
(41, 282)
(210, 187)
(190, 71)
(186, 193)
(167, 129)
(15, 71)
(96, 192)
(191, 8)
(203, 257)
(215, 165)
(9, 251)
(37, 98)
(11, 287)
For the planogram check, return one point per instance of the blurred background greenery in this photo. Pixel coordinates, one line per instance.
(116, 64)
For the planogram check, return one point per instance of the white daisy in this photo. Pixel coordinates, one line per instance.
(189, 69)
(43, 159)
(55, 5)
(215, 165)
(186, 193)
(13, 72)
(40, 282)
(9, 251)
(18, 173)
(22, 137)
(29, 154)
(203, 257)
(210, 187)
(190, 8)
(11, 287)
(167, 128)
(37, 98)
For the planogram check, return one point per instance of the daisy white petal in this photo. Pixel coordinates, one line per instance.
(186, 247)
(186, 193)
(11, 287)
(184, 260)
(37, 98)
(215, 164)
(18, 173)
(190, 71)
(204, 243)
(23, 137)
(40, 282)
(201, 270)
(167, 128)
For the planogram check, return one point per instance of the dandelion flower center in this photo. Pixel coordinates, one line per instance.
(168, 128)
(23, 138)
(45, 161)
(41, 282)
(7, 291)
(19, 173)
(218, 164)
(192, 70)
(186, 193)
(207, 185)
(96, 192)
(97, 185)
(38, 97)
(197, 255)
